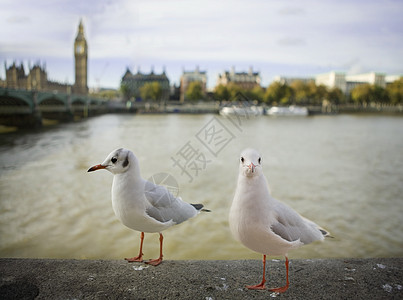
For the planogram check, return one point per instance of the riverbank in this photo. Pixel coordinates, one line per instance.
(380, 278)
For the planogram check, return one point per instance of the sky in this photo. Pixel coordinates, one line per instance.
(294, 38)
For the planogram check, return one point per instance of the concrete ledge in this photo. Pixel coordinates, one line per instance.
(106, 279)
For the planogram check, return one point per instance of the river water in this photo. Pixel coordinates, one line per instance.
(344, 172)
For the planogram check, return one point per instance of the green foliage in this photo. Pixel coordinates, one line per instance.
(336, 96)
(233, 90)
(395, 91)
(221, 92)
(257, 93)
(125, 90)
(194, 91)
(302, 93)
(278, 93)
(367, 93)
(151, 91)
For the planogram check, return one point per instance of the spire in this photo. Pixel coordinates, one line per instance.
(81, 27)
(80, 34)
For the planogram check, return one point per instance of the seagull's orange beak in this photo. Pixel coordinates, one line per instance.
(97, 167)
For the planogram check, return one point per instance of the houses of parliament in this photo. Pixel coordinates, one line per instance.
(37, 77)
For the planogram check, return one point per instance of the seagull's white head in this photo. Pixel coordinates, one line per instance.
(250, 163)
(118, 161)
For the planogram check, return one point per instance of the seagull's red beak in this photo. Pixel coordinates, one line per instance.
(252, 167)
(97, 167)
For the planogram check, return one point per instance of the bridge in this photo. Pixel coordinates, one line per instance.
(24, 108)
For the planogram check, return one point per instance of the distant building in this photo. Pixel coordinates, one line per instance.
(133, 83)
(192, 76)
(368, 78)
(246, 80)
(332, 80)
(290, 80)
(15, 77)
(348, 82)
(37, 77)
(391, 78)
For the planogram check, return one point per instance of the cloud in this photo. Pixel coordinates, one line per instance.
(18, 20)
(291, 42)
(291, 11)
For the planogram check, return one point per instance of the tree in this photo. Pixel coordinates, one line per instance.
(318, 93)
(256, 93)
(125, 90)
(151, 91)
(221, 92)
(194, 91)
(278, 93)
(361, 94)
(379, 94)
(303, 92)
(336, 96)
(367, 93)
(395, 91)
(234, 90)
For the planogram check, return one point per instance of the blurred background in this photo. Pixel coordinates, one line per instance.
(315, 87)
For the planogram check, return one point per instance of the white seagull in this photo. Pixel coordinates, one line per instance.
(264, 224)
(142, 205)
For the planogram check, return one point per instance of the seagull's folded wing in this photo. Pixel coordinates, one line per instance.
(165, 207)
(291, 226)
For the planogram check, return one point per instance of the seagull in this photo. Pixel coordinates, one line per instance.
(142, 205)
(262, 223)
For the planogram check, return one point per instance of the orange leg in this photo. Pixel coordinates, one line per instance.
(261, 285)
(284, 288)
(157, 261)
(138, 258)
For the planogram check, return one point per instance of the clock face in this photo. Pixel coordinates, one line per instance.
(79, 49)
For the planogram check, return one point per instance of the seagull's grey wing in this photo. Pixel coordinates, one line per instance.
(291, 226)
(165, 207)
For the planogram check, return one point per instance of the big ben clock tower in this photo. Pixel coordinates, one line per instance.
(81, 57)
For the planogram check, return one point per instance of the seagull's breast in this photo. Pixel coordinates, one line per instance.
(251, 218)
(129, 204)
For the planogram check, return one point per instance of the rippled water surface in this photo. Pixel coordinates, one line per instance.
(344, 172)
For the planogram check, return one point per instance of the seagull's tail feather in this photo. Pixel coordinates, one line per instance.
(325, 233)
(199, 207)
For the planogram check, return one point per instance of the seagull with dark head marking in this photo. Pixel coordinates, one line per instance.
(142, 205)
(264, 224)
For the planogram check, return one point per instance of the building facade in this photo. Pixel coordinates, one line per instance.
(348, 82)
(132, 84)
(192, 76)
(332, 80)
(35, 79)
(290, 80)
(368, 78)
(246, 80)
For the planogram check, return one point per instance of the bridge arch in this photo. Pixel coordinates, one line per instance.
(45, 97)
(16, 97)
(9, 105)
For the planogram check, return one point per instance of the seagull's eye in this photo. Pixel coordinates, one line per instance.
(114, 159)
(259, 160)
(242, 159)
